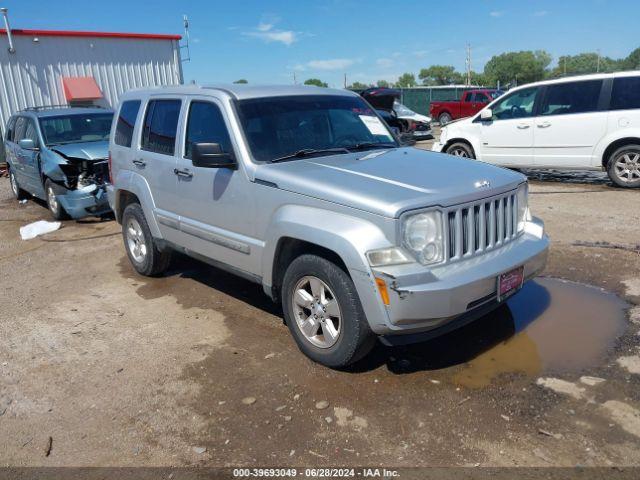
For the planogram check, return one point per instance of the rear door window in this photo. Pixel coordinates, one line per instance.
(205, 124)
(625, 93)
(11, 125)
(480, 97)
(160, 126)
(572, 97)
(126, 122)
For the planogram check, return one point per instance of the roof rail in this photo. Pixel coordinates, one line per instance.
(49, 107)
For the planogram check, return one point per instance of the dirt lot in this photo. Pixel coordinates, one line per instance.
(123, 370)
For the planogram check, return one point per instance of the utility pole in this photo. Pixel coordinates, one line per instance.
(598, 64)
(294, 78)
(345, 80)
(468, 64)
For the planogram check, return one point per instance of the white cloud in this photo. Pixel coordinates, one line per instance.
(385, 62)
(330, 64)
(540, 13)
(267, 32)
(496, 13)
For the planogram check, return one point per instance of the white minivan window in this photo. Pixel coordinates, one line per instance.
(516, 105)
(625, 94)
(572, 97)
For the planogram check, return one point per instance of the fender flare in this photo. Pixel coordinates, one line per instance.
(347, 236)
(129, 181)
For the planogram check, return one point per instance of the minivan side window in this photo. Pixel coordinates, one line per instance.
(160, 126)
(516, 105)
(126, 122)
(205, 124)
(571, 97)
(21, 125)
(625, 93)
(10, 129)
(30, 132)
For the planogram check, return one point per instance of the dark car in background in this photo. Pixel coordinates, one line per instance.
(60, 155)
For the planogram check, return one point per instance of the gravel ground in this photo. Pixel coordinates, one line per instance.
(197, 368)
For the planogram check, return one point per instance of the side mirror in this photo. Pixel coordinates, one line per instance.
(27, 144)
(486, 114)
(210, 155)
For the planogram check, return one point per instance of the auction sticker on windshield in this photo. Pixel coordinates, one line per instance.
(374, 125)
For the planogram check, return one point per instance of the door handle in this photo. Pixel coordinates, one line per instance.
(523, 126)
(139, 163)
(183, 173)
(544, 125)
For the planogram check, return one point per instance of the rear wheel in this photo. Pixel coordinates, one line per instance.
(142, 248)
(51, 191)
(624, 166)
(15, 186)
(323, 312)
(460, 149)
(444, 118)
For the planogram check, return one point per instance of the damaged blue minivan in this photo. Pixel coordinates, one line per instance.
(60, 155)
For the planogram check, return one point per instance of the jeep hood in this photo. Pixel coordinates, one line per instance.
(389, 182)
(84, 150)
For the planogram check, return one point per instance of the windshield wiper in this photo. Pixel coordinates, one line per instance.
(308, 152)
(371, 145)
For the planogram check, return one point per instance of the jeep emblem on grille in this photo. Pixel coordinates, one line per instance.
(482, 184)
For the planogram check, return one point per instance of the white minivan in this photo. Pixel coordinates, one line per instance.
(585, 122)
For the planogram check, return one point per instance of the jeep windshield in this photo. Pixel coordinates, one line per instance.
(293, 127)
(76, 128)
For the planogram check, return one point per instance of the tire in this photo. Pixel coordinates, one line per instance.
(142, 249)
(444, 118)
(460, 149)
(19, 193)
(343, 316)
(51, 191)
(623, 166)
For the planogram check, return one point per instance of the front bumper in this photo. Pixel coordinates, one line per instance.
(85, 202)
(423, 299)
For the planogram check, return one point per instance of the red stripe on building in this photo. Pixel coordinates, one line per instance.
(72, 33)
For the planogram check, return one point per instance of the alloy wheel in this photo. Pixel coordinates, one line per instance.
(52, 200)
(627, 167)
(135, 241)
(316, 312)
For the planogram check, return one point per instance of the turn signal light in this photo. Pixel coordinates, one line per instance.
(382, 288)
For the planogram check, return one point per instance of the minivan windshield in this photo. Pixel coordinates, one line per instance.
(291, 127)
(76, 128)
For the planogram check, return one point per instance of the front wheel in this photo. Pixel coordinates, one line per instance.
(51, 191)
(624, 166)
(323, 312)
(460, 149)
(142, 248)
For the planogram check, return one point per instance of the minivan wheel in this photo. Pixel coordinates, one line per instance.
(444, 118)
(51, 193)
(15, 186)
(460, 149)
(624, 166)
(323, 312)
(142, 249)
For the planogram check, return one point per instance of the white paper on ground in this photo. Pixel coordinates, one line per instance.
(374, 125)
(38, 228)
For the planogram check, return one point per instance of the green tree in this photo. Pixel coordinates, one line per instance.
(383, 84)
(585, 63)
(358, 86)
(406, 80)
(242, 80)
(315, 82)
(439, 75)
(480, 79)
(519, 67)
(632, 62)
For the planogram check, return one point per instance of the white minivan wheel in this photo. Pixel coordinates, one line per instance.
(624, 166)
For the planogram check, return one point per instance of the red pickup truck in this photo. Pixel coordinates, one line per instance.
(472, 102)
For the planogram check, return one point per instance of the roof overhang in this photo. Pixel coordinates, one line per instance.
(80, 88)
(74, 33)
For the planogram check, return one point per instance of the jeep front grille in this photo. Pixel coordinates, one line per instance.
(480, 226)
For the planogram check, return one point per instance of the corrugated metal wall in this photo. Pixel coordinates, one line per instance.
(419, 99)
(32, 76)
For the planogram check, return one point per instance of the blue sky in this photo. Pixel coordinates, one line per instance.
(266, 42)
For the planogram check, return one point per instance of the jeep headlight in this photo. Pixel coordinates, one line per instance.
(523, 206)
(422, 235)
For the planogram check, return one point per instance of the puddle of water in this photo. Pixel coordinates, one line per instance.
(559, 326)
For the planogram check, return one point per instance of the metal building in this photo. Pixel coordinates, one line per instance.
(45, 67)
